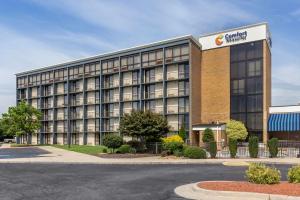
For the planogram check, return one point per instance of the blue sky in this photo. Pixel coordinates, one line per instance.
(36, 33)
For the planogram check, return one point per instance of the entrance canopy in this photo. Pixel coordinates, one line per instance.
(284, 122)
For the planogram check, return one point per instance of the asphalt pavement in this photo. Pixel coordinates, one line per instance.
(107, 182)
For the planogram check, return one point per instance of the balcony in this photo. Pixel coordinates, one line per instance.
(127, 97)
(172, 92)
(91, 129)
(91, 115)
(91, 101)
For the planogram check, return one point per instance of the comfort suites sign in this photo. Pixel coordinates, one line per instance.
(235, 36)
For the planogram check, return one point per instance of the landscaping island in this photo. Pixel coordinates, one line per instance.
(283, 188)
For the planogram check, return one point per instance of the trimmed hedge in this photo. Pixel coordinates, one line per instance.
(194, 153)
(273, 147)
(261, 174)
(213, 149)
(232, 147)
(253, 146)
(294, 174)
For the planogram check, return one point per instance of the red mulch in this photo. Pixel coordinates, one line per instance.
(283, 188)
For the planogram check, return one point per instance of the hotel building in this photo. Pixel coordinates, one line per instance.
(196, 82)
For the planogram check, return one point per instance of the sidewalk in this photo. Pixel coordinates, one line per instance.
(56, 155)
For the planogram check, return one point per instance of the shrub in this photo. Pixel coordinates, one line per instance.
(294, 174)
(261, 174)
(213, 149)
(236, 130)
(173, 146)
(112, 141)
(172, 143)
(125, 148)
(232, 147)
(137, 145)
(273, 147)
(194, 153)
(178, 153)
(104, 150)
(208, 136)
(253, 146)
(173, 138)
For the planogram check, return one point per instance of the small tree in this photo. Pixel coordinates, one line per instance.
(273, 147)
(22, 119)
(236, 130)
(182, 132)
(253, 146)
(144, 125)
(112, 141)
(213, 149)
(232, 147)
(208, 136)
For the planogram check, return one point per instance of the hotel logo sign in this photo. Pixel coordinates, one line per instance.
(230, 38)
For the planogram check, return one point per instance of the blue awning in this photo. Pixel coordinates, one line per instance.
(284, 122)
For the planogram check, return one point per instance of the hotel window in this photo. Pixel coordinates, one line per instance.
(238, 86)
(183, 71)
(183, 105)
(61, 74)
(255, 121)
(130, 62)
(135, 78)
(238, 70)
(183, 120)
(47, 77)
(238, 104)
(34, 80)
(76, 72)
(135, 106)
(135, 93)
(178, 53)
(110, 66)
(149, 75)
(92, 68)
(150, 105)
(149, 91)
(254, 85)
(22, 82)
(254, 50)
(254, 68)
(183, 88)
(254, 103)
(152, 58)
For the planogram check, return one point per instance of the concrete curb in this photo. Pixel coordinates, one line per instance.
(61, 156)
(192, 191)
(129, 162)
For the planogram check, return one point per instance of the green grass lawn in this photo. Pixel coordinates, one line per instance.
(92, 150)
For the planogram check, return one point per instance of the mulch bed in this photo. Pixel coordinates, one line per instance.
(283, 188)
(137, 155)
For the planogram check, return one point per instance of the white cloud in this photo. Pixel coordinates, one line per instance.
(143, 18)
(20, 53)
